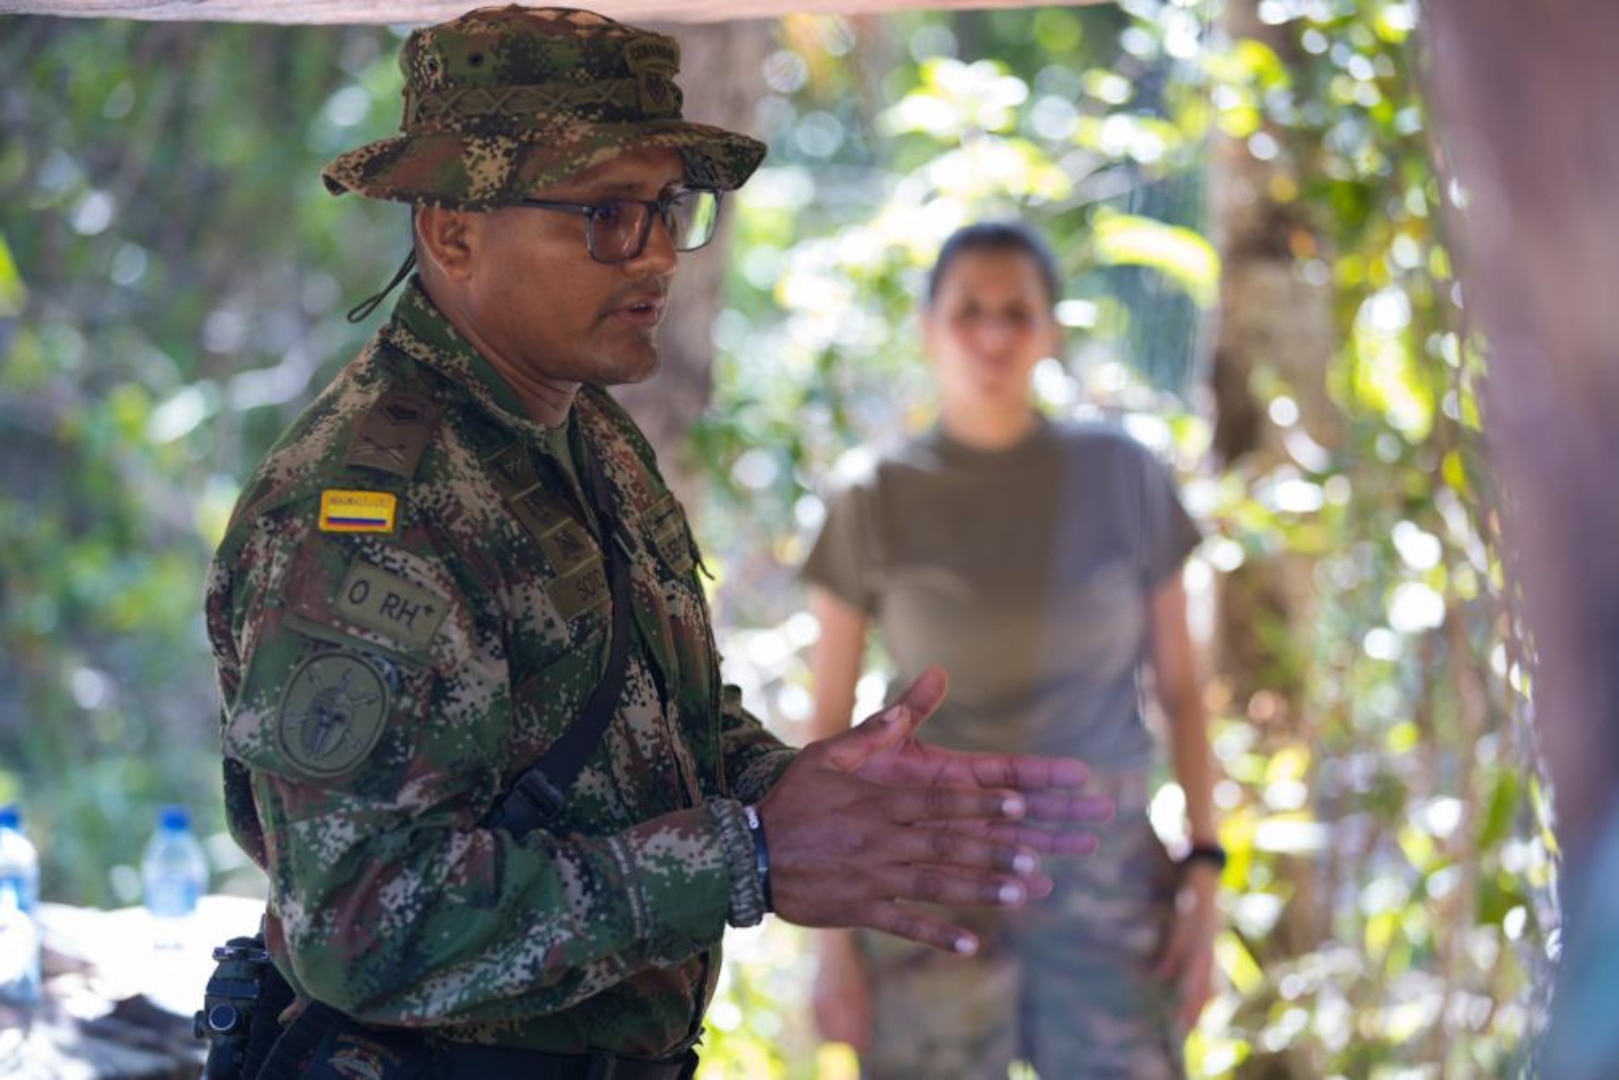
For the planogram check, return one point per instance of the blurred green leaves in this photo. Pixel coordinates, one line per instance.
(12, 290)
(1180, 254)
(171, 287)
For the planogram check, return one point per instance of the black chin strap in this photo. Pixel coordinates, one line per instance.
(361, 311)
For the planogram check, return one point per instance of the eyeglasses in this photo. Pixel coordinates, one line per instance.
(616, 230)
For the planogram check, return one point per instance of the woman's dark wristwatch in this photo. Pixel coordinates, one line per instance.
(1210, 853)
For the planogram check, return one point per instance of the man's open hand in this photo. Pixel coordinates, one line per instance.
(864, 825)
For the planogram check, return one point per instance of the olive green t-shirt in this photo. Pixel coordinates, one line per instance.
(1024, 572)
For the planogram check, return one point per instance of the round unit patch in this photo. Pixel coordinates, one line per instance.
(332, 713)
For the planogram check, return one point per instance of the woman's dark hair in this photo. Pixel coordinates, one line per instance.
(1010, 236)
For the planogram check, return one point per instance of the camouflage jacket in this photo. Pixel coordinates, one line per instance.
(409, 606)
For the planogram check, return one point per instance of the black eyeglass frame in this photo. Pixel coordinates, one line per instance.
(656, 208)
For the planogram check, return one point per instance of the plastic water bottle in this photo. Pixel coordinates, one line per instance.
(174, 875)
(19, 896)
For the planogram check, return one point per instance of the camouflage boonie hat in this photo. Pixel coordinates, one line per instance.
(502, 101)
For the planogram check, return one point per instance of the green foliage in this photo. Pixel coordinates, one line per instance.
(159, 327)
(1435, 870)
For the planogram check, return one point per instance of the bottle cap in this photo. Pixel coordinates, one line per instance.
(173, 818)
(10, 816)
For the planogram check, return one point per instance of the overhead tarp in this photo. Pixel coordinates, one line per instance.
(423, 11)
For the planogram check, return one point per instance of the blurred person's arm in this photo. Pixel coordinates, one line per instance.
(1189, 955)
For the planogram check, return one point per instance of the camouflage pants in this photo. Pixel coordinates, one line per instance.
(1065, 985)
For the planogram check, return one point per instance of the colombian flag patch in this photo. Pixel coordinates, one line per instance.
(357, 511)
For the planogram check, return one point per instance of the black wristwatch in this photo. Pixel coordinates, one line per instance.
(1210, 853)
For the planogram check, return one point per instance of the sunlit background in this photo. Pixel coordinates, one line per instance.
(1219, 185)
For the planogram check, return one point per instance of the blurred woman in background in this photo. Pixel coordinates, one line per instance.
(1040, 564)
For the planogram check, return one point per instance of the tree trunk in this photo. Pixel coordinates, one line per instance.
(1275, 329)
(721, 73)
(1527, 108)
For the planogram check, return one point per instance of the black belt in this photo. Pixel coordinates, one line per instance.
(495, 1062)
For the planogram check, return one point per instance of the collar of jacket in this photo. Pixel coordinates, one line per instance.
(421, 331)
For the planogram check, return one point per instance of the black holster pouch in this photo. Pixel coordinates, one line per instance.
(241, 1019)
(274, 997)
(244, 996)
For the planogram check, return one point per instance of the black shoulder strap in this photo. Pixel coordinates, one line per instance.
(536, 796)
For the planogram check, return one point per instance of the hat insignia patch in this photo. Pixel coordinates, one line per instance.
(654, 63)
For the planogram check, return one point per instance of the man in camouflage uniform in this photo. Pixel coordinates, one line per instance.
(411, 604)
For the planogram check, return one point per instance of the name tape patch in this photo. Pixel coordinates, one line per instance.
(384, 602)
(581, 589)
(357, 511)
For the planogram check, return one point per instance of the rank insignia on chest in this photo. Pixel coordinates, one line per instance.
(393, 434)
(666, 524)
(580, 590)
(357, 511)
